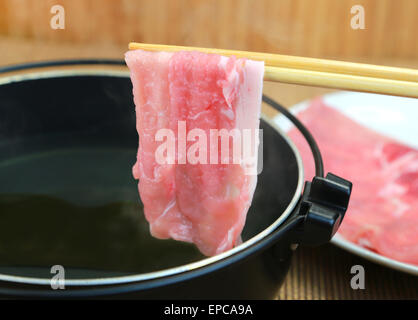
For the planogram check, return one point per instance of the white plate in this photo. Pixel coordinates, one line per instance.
(394, 117)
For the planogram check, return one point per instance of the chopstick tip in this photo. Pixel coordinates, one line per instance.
(131, 45)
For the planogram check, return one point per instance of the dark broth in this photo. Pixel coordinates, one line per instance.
(89, 220)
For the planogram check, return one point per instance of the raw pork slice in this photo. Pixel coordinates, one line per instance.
(383, 210)
(201, 203)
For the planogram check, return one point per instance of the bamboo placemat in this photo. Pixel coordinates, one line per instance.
(323, 273)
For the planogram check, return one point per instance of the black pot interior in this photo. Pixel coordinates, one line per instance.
(67, 195)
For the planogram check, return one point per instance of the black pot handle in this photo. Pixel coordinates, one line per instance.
(324, 200)
(323, 205)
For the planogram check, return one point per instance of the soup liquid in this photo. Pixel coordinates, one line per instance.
(62, 208)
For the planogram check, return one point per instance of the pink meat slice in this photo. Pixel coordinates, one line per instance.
(205, 204)
(383, 210)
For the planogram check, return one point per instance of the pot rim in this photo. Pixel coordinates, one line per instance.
(174, 271)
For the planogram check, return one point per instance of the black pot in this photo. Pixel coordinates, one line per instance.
(67, 198)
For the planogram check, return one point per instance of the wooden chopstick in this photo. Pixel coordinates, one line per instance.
(286, 61)
(342, 81)
(319, 72)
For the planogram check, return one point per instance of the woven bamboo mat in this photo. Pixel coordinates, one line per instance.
(323, 273)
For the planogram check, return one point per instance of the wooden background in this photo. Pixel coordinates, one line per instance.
(318, 28)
